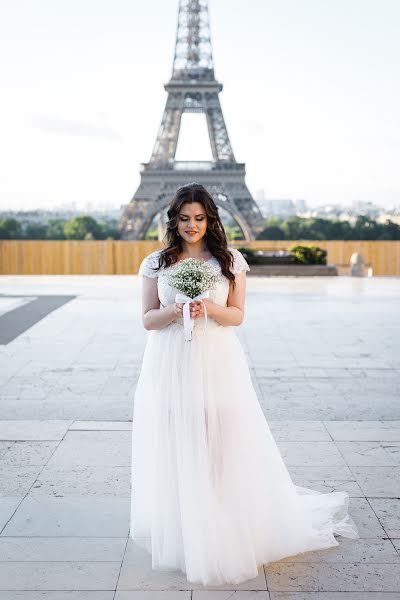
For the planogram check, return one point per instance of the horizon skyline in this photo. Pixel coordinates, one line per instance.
(116, 206)
(76, 125)
(104, 205)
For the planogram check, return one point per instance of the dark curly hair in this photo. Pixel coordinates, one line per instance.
(215, 235)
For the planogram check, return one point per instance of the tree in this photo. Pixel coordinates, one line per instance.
(316, 228)
(298, 228)
(365, 228)
(35, 231)
(110, 231)
(10, 229)
(271, 232)
(78, 227)
(55, 229)
(392, 230)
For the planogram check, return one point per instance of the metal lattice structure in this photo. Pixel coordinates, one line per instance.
(192, 88)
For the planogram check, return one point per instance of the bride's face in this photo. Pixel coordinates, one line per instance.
(192, 217)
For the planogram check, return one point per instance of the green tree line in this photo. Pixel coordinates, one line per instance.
(314, 228)
(77, 228)
(293, 228)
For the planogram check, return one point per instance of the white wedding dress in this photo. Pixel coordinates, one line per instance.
(211, 495)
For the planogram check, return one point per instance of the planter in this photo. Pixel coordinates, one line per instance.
(292, 270)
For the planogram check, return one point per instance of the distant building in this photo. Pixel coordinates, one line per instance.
(366, 208)
(280, 207)
(300, 205)
(43, 215)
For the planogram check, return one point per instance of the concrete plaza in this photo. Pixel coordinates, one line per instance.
(324, 354)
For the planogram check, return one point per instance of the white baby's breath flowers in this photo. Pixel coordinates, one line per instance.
(192, 276)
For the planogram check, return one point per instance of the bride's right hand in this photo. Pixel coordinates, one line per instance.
(178, 309)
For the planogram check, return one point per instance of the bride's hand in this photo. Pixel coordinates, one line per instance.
(177, 309)
(197, 308)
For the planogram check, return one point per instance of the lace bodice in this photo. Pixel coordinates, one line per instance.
(166, 292)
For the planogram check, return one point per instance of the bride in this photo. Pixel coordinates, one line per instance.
(211, 495)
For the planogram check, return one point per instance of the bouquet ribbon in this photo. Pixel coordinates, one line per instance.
(188, 323)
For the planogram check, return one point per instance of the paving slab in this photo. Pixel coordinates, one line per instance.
(371, 550)
(335, 595)
(8, 506)
(346, 577)
(370, 430)
(58, 575)
(298, 431)
(28, 453)
(330, 485)
(101, 480)
(312, 453)
(57, 595)
(388, 512)
(76, 516)
(228, 595)
(369, 454)
(60, 549)
(94, 448)
(153, 595)
(45, 430)
(378, 481)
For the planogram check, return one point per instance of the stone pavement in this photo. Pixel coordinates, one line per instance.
(324, 355)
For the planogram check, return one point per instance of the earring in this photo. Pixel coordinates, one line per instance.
(177, 233)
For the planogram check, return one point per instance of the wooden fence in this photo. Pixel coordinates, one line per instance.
(119, 257)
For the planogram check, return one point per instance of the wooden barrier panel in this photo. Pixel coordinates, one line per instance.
(123, 257)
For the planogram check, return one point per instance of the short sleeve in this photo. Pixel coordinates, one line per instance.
(148, 264)
(239, 262)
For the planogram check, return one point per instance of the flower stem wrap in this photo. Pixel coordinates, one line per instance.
(188, 323)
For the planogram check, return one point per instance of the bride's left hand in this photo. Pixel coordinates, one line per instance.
(197, 308)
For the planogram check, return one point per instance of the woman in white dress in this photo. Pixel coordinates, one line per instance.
(211, 495)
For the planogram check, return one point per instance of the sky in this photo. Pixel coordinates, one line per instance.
(311, 97)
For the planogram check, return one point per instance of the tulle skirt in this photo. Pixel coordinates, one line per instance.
(211, 495)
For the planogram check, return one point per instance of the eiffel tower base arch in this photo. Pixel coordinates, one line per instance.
(157, 188)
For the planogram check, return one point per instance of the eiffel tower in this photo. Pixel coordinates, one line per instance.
(192, 88)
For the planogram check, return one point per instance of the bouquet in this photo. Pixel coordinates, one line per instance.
(193, 278)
